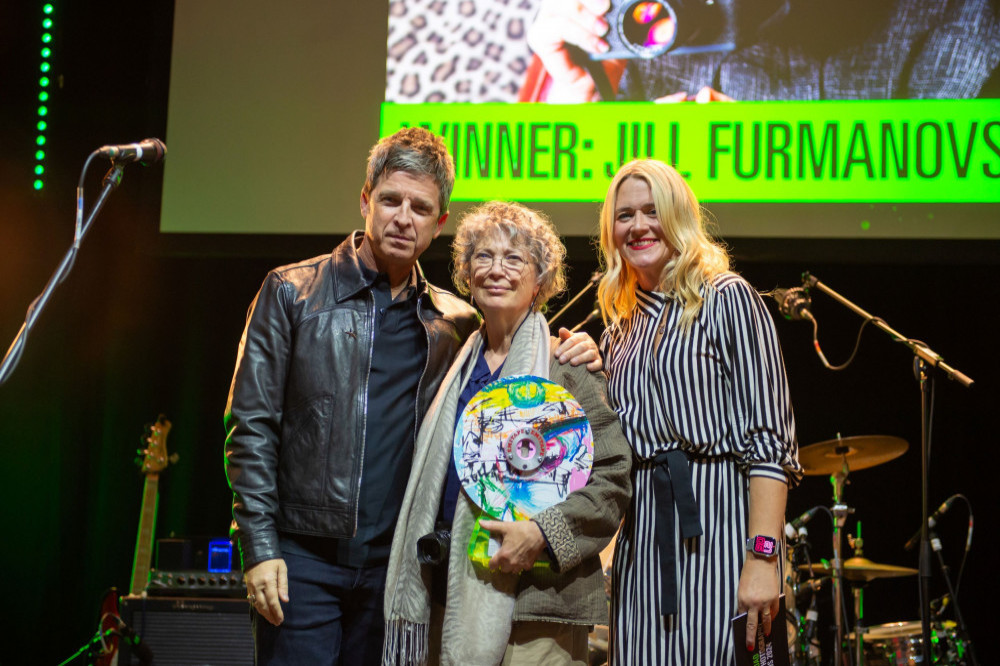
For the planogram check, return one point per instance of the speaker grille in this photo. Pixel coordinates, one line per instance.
(196, 632)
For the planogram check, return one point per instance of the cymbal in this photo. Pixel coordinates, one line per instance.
(860, 569)
(860, 452)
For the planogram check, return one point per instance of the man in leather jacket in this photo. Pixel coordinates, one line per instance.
(338, 363)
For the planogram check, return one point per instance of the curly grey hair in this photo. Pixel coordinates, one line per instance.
(525, 229)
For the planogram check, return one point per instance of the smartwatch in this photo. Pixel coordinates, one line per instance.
(763, 546)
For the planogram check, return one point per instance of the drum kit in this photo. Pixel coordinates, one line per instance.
(893, 644)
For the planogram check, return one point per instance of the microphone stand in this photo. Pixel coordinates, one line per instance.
(963, 633)
(594, 314)
(111, 181)
(94, 646)
(594, 279)
(924, 359)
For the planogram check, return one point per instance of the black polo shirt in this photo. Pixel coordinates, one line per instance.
(399, 354)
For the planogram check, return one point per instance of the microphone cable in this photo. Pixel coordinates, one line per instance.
(822, 356)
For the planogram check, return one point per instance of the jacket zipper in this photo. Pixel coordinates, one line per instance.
(364, 408)
(427, 362)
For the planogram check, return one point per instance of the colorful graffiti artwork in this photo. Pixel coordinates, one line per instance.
(524, 444)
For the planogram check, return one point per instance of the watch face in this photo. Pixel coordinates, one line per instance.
(763, 545)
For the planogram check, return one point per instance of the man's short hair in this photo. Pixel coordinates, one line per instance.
(415, 151)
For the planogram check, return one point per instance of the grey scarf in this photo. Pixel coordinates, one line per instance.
(480, 605)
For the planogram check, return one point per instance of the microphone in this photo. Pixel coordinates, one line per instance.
(808, 586)
(147, 151)
(793, 303)
(794, 528)
(594, 314)
(931, 522)
(139, 649)
(799, 522)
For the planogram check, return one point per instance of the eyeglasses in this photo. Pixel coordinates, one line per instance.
(510, 263)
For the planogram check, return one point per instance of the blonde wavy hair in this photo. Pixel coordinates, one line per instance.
(524, 228)
(698, 258)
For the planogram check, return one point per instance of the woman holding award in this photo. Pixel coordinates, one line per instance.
(510, 260)
(696, 376)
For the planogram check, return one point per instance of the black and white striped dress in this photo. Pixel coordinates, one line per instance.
(718, 393)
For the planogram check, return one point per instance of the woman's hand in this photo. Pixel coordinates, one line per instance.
(577, 348)
(522, 542)
(759, 586)
(560, 23)
(703, 96)
(758, 594)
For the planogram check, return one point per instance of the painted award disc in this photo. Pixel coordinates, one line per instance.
(522, 445)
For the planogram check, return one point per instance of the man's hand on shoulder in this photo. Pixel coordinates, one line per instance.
(267, 587)
(577, 349)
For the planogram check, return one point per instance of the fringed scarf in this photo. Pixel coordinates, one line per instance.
(480, 605)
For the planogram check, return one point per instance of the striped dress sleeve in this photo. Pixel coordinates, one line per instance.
(762, 412)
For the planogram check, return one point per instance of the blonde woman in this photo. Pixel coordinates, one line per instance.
(697, 379)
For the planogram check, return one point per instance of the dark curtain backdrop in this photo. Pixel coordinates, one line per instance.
(146, 325)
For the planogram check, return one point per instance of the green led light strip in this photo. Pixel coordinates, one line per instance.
(44, 81)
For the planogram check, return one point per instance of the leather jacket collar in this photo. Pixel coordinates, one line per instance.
(350, 275)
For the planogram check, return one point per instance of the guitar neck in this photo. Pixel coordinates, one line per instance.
(144, 538)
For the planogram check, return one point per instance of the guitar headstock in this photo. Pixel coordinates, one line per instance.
(154, 458)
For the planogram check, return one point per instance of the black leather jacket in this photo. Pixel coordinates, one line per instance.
(295, 420)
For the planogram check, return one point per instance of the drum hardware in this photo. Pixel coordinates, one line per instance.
(924, 359)
(810, 646)
(838, 457)
(894, 644)
(857, 544)
(840, 513)
(961, 644)
(860, 569)
(803, 646)
(901, 644)
(859, 452)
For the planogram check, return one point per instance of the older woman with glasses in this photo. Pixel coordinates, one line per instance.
(510, 261)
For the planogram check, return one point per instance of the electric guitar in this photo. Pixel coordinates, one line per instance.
(152, 459)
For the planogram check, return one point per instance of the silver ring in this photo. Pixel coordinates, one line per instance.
(252, 598)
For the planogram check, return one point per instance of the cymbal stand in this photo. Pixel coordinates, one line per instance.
(859, 611)
(840, 512)
(924, 358)
(859, 624)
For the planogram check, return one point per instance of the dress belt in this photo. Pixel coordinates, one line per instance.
(672, 487)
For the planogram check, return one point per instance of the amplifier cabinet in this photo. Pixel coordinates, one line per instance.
(189, 631)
